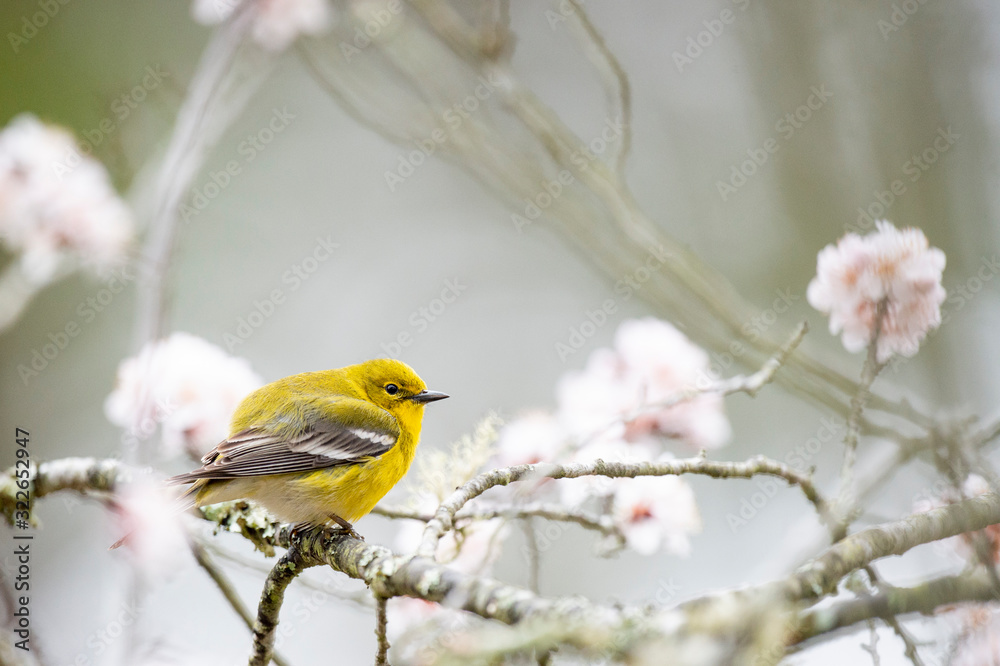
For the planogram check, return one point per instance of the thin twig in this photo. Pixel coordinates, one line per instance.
(750, 385)
(381, 635)
(868, 374)
(616, 81)
(444, 517)
(226, 587)
(591, 521)
(534, 556)
(910, 646)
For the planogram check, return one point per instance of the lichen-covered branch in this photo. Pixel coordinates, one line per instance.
(821, 575)
(381, 635)
(284, 572)
(596, 629)
(892, 601)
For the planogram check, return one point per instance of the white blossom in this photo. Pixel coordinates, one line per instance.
(56, 204)
(651, 362)
(656, 513)
(187, 385)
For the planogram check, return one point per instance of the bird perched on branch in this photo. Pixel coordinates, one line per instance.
(319, 446)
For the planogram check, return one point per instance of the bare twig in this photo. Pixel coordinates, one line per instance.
(591, 521)
(444, 517)
(226, 587)
(615, 80)
(534, 556)
(868, 374)
(750, 385)
(910, 646)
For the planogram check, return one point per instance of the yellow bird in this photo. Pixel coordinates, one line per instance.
(319, 446)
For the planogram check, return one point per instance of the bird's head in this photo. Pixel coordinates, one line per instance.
(395, 387)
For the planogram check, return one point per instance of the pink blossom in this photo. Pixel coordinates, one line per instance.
(858, 273)
(276, 23)
(56, 204)
(187, 385)
(656, 513)
(652, 362)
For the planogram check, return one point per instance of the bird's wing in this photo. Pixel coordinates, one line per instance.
(350, 430)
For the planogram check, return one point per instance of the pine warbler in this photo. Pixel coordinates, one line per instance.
(320, 446)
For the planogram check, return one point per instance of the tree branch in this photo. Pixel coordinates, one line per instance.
(892, 601)
(821, 575)
(284, 572)
(444, 517)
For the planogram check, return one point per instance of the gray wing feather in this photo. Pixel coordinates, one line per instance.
(255, 452)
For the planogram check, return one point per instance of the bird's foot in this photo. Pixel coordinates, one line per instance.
(346, 527)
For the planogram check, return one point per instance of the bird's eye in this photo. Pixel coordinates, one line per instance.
(391, 389)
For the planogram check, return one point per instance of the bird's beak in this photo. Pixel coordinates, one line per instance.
(428, 396)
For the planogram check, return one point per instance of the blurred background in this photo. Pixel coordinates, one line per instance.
(833, 104)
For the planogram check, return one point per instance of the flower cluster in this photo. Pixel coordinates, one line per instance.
(621, 408)
(276, 23)
(187, 385)
(56, 204)
(891, 266)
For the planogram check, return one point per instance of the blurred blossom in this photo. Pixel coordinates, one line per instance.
(532, 438)
(188, 384)
(150, 523)
(575, 492)
(856, 274)
(55, 203)
(651, 363)
(276, 23)
(656, 513)
(979, 642)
